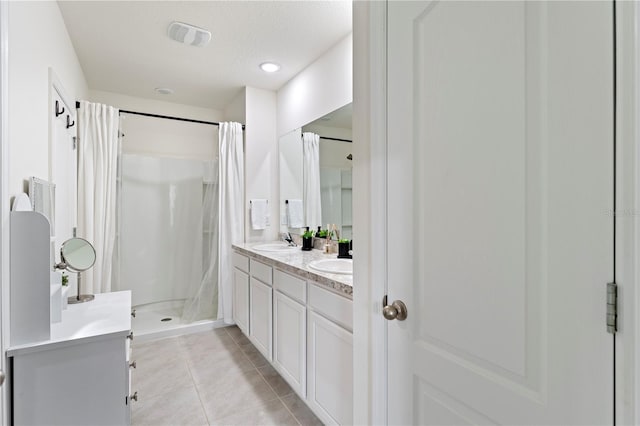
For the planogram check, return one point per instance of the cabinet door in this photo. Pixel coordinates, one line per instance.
(260, 318)
(289, 341)
(330, 371)
(241, 299)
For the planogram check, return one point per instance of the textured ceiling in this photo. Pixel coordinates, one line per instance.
(123, 47)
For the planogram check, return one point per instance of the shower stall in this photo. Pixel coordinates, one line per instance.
(167, 241)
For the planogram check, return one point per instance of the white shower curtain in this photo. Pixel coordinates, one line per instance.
(311, 180)
(97, 172)
(201, 302)
(231, 229)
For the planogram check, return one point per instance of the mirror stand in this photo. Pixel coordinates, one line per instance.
(77, 255)
(80, 298)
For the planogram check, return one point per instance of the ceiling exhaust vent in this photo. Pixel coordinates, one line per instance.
(189, 34)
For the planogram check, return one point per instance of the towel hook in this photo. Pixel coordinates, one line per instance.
(69, 122)
(59, 111)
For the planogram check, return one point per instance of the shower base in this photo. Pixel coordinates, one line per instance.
(163, 319)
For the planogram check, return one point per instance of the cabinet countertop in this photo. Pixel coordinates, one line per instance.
(108, 314)
(296, 262)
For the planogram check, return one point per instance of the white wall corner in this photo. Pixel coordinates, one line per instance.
(237, 108)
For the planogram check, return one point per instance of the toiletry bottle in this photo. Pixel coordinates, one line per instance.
(318, 231)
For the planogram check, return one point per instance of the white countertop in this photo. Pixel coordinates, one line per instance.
(297, 261)
(108, 314)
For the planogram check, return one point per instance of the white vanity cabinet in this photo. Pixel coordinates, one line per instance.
(241, 291)
(304, 329)
(261, 307)
(290, 330)
(81, 375)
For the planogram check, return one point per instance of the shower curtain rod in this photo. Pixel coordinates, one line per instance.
(335, 139)
(146, 114)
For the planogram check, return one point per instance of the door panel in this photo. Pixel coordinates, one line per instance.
(500, 174)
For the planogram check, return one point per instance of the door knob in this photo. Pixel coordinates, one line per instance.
(396, 310)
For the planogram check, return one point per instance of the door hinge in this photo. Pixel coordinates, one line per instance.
(75, 142)
(75, 232)
(612, 308)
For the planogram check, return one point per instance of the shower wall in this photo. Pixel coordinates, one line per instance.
(160, 241)
(168, 172)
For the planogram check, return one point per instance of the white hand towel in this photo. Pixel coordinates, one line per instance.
(296, 213)
(259, 214)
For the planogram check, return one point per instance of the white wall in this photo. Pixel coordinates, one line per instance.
(153, 106)
(168, 138)
(261, 159)
(322, 87)
(38, 39)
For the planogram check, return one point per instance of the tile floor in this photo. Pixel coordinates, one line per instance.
(210, 378)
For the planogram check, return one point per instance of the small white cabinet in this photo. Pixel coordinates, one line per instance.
(261, 311)
(330, 370)
(79, 376)
(241, 299)
(290, 342)
(261, 307)
(241, 291)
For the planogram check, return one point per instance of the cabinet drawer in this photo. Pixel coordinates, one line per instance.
(293, 287)
(260, 271)
(241, 262)
(332, 306)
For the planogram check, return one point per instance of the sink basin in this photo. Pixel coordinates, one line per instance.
(333, 266)
(282, 247)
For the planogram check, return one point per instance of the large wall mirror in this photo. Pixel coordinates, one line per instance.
(315, 175)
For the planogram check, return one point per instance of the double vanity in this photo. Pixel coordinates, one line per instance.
(301, 319)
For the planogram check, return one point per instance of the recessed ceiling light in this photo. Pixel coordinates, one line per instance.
(163, 91)
(269, 67)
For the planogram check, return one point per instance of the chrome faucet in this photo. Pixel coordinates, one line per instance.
(289, 239)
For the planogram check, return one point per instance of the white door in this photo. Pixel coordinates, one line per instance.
(500, 177)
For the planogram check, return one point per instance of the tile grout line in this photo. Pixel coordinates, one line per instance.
(195, 386)
(257, 371)
(267, 382)
(279, 397)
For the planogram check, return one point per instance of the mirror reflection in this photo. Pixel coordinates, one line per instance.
(77, 254)
(316, 174)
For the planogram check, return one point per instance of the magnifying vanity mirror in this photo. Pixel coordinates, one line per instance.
(331, 164)
(77, 255)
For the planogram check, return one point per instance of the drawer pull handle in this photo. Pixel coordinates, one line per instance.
(133, 365)
(133, 313)
(134, 397)
(130, 336)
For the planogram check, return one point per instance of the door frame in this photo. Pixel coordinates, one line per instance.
(369, 207)
(370, 338)
(4, 204)
(627, 215)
